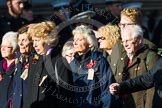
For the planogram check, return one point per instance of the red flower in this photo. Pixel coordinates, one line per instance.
(0, 77)
(35, 58)
(91, 64)
(27, 66)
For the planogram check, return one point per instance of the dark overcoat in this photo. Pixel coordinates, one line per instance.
(44, 89)
(19, 89)
(6, 84)
(9, 23)
(92, 93)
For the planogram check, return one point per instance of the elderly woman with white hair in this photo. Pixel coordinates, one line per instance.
(68, 51)
(91, 71)
(9, 48)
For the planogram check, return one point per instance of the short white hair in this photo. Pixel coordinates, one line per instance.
(67, 46)
(135, 31)
(88, 34)
(12, 38)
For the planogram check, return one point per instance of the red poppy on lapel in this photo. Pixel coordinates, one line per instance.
(0, 77)
(27, 66)
(91, 64)
(35, 58)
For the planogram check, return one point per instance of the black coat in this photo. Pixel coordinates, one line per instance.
(157, 35)
(6, 84)
(9, 23)
(46, 94)
(64, 33)
(151, 78)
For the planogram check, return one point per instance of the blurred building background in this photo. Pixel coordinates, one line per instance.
(44, 8)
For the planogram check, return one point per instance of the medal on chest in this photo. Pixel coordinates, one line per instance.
(137, 68)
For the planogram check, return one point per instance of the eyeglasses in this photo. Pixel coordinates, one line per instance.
(123, 25)
(128, 40)
(101, 38)
(5, 47)
(69, 55)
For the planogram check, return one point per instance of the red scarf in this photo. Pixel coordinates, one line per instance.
(5, 67)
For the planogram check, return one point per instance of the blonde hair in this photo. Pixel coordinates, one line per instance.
(111, 33)
(41, 29)
(45, 30)
(134, 14)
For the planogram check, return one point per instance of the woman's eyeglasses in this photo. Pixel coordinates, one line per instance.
(5, 47)
(101, 38)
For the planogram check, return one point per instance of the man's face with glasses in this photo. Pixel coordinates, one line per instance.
(124, 21)
(131, 45)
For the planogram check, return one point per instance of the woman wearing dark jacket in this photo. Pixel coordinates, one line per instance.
(47, 70)
(21, 68)
(7, 66)
(91, 72)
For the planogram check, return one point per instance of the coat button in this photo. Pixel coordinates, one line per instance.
(119, 73)
(20, 94)
(122, 59)
(23, 22)
(114, 64)
(8, 23)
